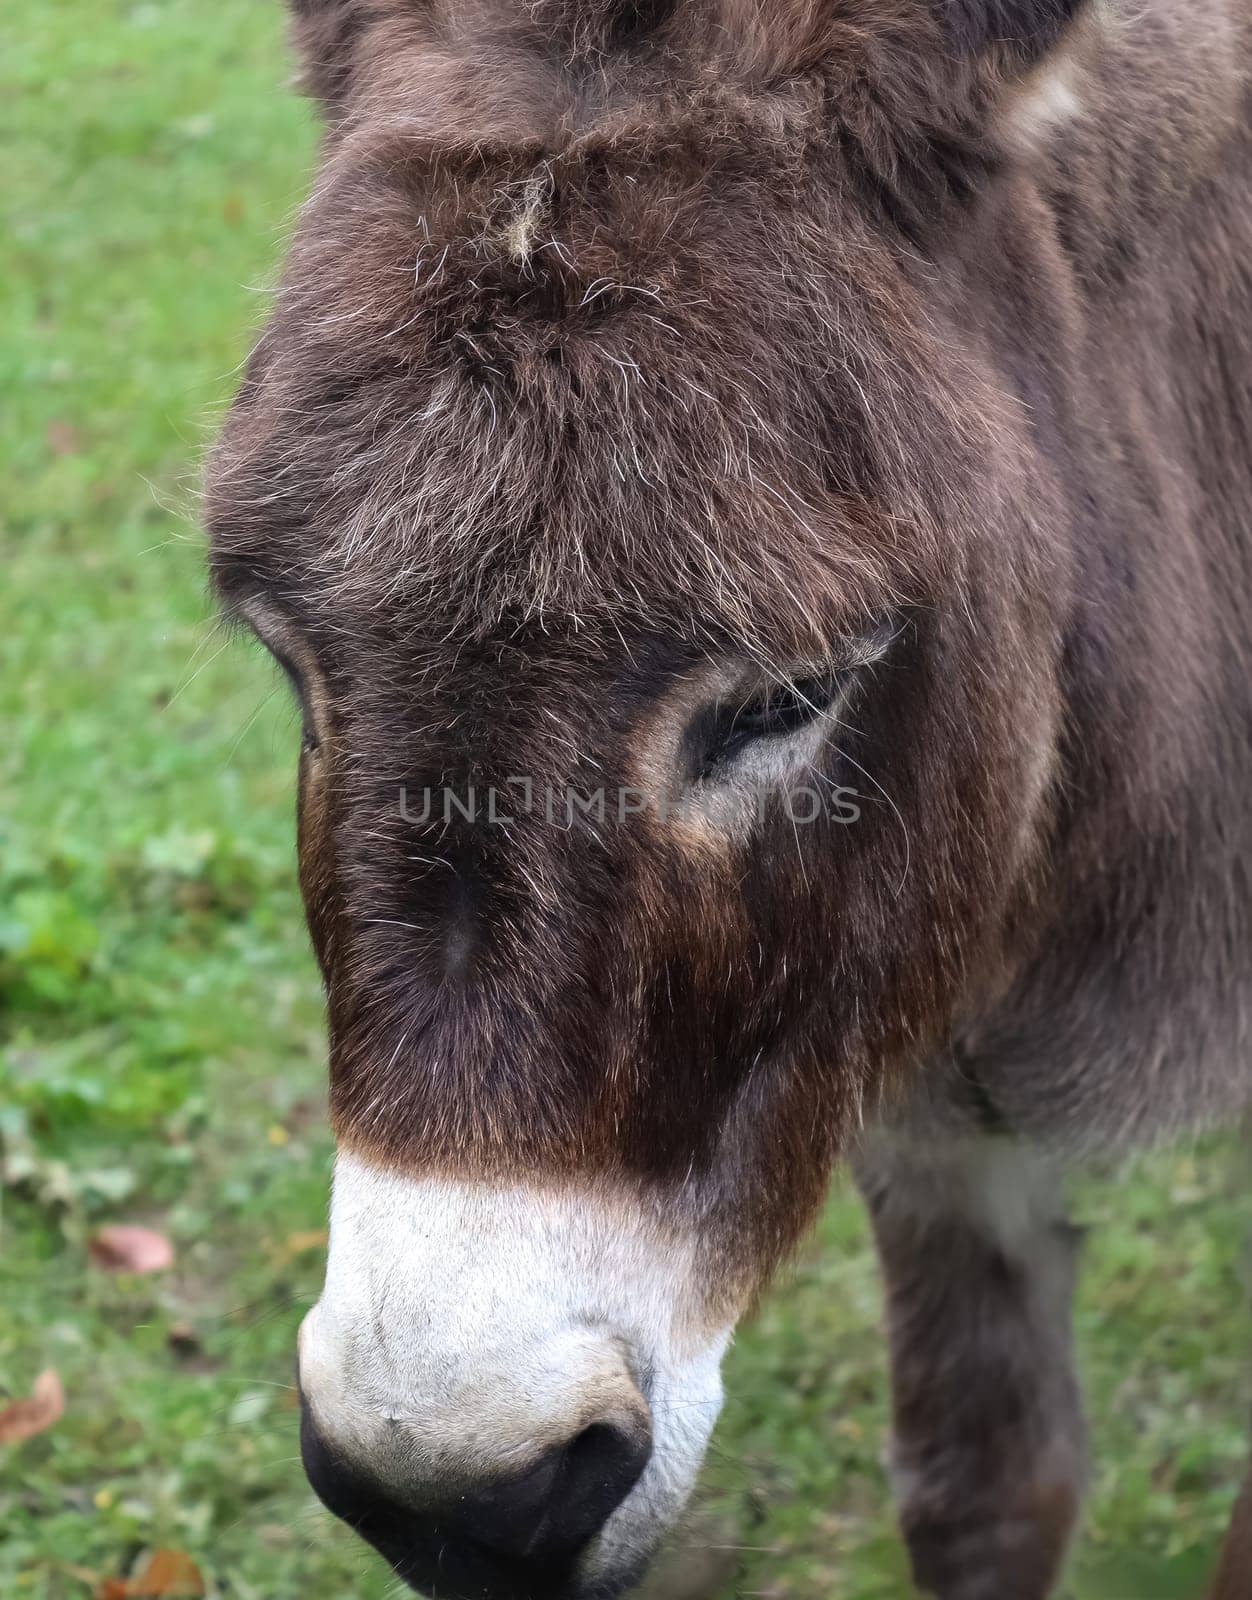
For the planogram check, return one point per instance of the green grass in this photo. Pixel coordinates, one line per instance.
(162, 1053)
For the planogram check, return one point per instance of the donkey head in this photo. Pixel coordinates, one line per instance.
(673, 599)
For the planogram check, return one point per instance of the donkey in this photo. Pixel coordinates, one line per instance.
(809, 439)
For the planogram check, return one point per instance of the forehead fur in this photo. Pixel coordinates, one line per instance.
(577, 325)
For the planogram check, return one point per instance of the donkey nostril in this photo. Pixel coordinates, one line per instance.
(591, 1445)
(557, 1505)
(601, 1466)
(606, 1461)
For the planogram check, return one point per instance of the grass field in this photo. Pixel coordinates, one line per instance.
(161, 1051)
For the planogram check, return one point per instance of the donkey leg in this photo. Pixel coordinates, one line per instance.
(1234, 1579)
(988, 1448)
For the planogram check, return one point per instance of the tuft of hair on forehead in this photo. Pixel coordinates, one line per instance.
(346, 46)
(621, 379)
(601, 309)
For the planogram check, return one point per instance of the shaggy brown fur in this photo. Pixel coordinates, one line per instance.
(619, 337)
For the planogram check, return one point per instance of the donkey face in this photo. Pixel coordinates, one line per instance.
(674, 617)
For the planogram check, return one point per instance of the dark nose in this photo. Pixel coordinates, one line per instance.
(513, 1538)
(557, 1505)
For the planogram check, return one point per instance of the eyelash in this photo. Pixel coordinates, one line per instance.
(782, 710)
(309, 741)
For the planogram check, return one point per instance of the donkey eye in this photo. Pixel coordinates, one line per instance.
(775, 713)
(308, 738)
(292, 674)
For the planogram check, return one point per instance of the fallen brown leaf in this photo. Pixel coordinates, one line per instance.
(22, 1419)
(159, 1575)
(165, 1574)
(125, 1247)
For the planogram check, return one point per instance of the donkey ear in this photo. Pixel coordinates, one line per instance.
(325, 34)
(1024, 31)
(1032, 53)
